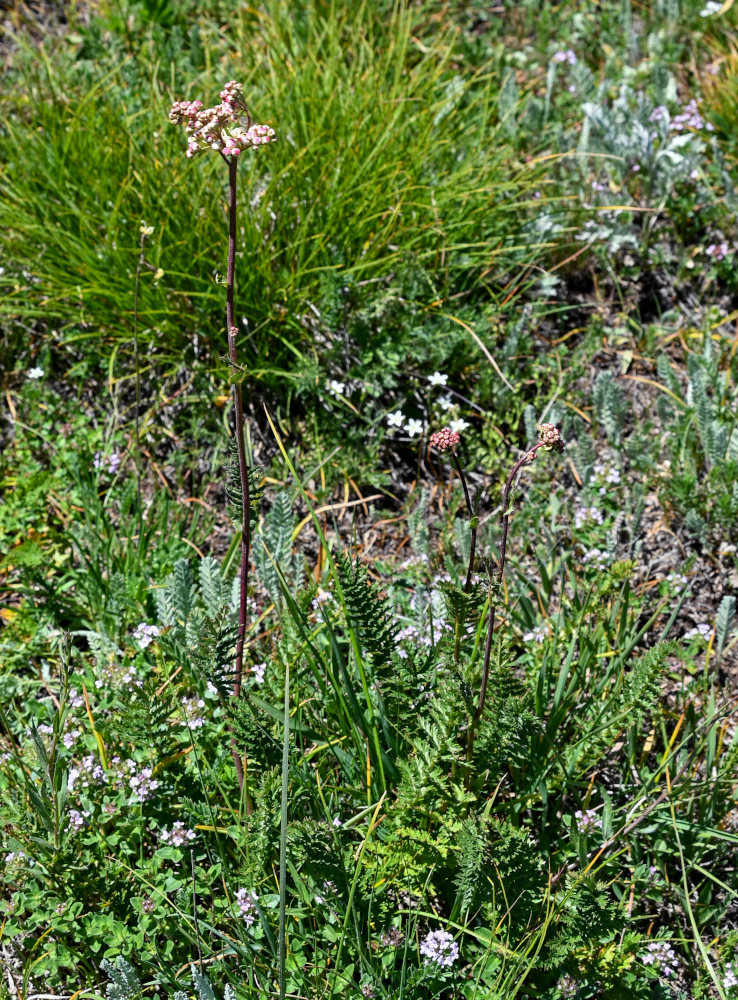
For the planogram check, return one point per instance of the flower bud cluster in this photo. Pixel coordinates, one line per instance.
(227, 128)
(444, 439)
(550, 436)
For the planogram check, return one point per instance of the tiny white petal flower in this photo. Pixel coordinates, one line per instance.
(414, 427)
(438, 379)
(396, 419)
(445, 402)
(459, 425)
(336, 388)
(34, 373)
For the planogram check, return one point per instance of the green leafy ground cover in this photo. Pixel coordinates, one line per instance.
(475, 216)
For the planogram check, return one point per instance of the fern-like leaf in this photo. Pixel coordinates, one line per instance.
(369, 614)
(234, 493)
(125, 984)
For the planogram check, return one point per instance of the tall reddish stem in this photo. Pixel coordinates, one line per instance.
(243, 471)
(527, 457)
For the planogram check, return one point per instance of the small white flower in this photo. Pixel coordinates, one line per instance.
(711, 7)
(587, 821)
(35, 373)
(703, 630)
(336, 388)
(438, 379)
(414, 427)
(459, 425)
(539, 633)
(395, 419)
(445, 402)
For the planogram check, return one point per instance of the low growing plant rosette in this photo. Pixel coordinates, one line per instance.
(229, 130)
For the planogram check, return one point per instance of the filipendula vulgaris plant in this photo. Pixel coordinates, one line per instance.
(447, 440)
(229, 130)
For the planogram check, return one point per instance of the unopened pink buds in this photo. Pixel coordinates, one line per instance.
(444, 439)
(227, 128)
(550, 437)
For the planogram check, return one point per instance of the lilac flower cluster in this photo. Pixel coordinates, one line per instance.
(246, 903)
(428, 638)
(258, 670)
(77, 819)
(321, 603)
(117, 675)
(227, 128)
(703, 631)
(662, 957)
(568, 56)
(76, 700)
(113, 461)
(568, 987)
(587, 820)
(69, 738)
(88, 772)
(140, 780)
(730, 977)
(440, 947)
(538, 634)
(392, 937)
(191, 707)
(585, 515)
(145, 634)
(178, 836)
(607, 473)
(690, 117)
(329, 888)
(718, 251)
(599, 557)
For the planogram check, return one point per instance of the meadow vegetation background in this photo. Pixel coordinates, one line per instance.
(476, 216)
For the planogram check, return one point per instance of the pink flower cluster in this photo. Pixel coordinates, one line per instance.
(227, 128)
(550, 437)
(444, 439)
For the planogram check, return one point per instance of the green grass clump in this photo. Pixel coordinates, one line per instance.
(388, 150)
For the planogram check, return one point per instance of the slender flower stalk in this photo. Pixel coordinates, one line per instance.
(229, 130)
(446, 440)
(550, 440)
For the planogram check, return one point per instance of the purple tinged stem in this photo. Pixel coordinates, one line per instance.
(500, 571)
(243, 471)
